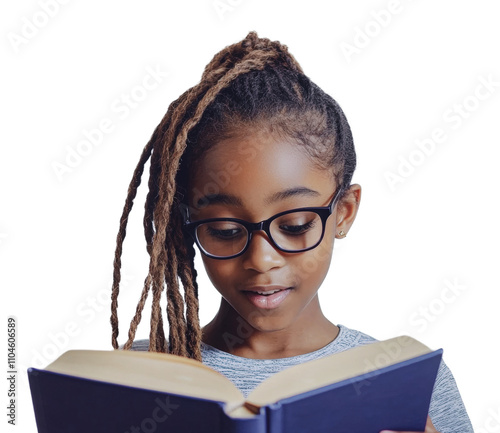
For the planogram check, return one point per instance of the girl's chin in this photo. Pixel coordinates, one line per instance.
(265, 321)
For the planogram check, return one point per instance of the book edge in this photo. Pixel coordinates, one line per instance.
(101, 369)
(362, 377)
(260, 395)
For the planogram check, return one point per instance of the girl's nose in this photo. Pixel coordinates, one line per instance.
(261, 254)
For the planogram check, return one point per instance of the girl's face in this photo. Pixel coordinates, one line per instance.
(254, 178)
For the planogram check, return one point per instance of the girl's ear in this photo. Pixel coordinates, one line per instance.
(347, 210)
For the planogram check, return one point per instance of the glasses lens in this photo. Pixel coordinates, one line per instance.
(297, 230)
(222, 238)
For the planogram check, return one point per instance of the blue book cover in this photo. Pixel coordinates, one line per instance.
(396, 397)
(390, 391)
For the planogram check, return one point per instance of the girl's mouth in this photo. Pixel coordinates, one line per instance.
(267, 299)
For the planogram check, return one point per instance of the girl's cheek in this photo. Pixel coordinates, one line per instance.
(220, 271)
(314, 267)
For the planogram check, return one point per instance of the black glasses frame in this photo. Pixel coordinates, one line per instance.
(323, 212)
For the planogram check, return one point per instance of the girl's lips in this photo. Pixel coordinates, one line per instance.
(269, 301)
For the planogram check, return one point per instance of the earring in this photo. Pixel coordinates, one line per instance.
(342, 234)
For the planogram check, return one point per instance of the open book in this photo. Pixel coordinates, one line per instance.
(383, 385)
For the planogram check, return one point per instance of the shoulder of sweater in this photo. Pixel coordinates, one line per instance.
(139, 345)
(352, 338)
(348, 338)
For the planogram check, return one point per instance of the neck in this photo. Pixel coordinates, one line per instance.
(230, 332)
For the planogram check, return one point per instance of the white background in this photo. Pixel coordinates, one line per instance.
(66, 73)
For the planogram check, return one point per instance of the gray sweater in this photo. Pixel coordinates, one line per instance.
(447, 410)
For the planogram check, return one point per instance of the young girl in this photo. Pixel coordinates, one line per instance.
(253, 165)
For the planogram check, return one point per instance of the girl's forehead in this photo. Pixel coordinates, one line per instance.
(257, 166)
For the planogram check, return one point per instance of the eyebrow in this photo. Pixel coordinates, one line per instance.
(291, 192)
(226, 199)
(232, 200)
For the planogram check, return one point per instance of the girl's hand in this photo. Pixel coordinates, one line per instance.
(429, 428)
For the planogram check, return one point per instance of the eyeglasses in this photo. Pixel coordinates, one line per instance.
(291, 231)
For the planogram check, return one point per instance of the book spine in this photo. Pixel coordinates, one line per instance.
(255, 424)
(274, 415)
(37, 399)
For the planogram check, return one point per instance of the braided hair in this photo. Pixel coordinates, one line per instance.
(253, 84)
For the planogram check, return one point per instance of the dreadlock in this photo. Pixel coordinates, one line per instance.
(254, 83)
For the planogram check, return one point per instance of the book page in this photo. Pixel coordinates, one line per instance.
(148, 370)
(335, 368)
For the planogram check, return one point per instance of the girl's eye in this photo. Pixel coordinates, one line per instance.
(297, 229)
(223, 233)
